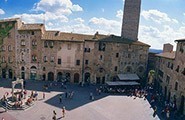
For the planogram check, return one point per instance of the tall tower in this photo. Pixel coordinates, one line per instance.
(130, 23)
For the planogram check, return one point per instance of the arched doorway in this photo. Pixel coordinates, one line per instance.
(76, 78)
(128, 69)
(10, 74)
(87, 77)
(68, 77)
(33, 73)
(51, 76)
(22, 73)
(3, 73)
(59, 76)
(181, 109)
(44, 77)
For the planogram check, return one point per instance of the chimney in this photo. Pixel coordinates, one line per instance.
(130, 23)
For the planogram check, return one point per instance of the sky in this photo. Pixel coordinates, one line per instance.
(161, 21)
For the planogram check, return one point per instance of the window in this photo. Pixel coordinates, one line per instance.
(172, 66)
(102, 46)
(86, 62)
(52, 59)
(3, 48)
(9, 48)
(69, 46)
(168, 65)
(181, 48)
(59, 61)
(87, 50)
(3, 59)
(161, 73)
(117, 55)
(45, 44)
(177, 68)
(51, 44)
(9, 59)
(34, 43)
(101, 57)
(32, 33)
(176, 85)
(77, 62)
(23, 43)
(45, 59)
(34, 58)
(43, 68)
(167, 79)
(115, 68)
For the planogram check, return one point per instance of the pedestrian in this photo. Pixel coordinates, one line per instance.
(91, 96)
(63, 112)
(43, 95)
(54, 115)
(66, 94)
(167, 115)
(60, 99)
(155, 111)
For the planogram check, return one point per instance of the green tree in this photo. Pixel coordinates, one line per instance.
(151, 75)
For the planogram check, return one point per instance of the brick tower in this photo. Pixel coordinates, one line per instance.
(130, 23)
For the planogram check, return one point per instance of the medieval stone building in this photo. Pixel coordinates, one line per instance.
(170, 74)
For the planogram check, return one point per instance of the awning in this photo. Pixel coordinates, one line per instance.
(122, 83)
(128, 77)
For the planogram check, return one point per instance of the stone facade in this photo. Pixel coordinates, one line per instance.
(52, 55)
(130, 21)
(170, 69)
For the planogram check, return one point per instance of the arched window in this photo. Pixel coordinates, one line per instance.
(22, 68)
(23, 43)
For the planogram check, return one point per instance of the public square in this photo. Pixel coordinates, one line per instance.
(80, 107)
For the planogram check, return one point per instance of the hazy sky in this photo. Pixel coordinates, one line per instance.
(161, 21)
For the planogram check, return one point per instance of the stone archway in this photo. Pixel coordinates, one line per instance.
(59, 76)
(76, 78)
(3, 73)
(128, 69)
(51, 76)
(33, 73)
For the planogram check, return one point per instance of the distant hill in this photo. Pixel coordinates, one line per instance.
(155, 51)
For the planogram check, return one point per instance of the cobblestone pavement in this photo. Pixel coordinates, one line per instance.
(103, 107)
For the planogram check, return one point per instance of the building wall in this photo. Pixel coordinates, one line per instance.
(170, 75)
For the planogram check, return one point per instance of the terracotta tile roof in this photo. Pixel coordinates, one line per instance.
(113, 38)
(31, 27)
(170, 55)
(57, 35)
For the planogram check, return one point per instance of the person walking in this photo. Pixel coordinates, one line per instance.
(63, 112)
(60, 99)
(54, 115)
(155, 111)
(168, 115)
(43, 95)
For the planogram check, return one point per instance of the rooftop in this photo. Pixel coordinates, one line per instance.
(57, 35)
(180, 40)
(169, 55)
(31, 26)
